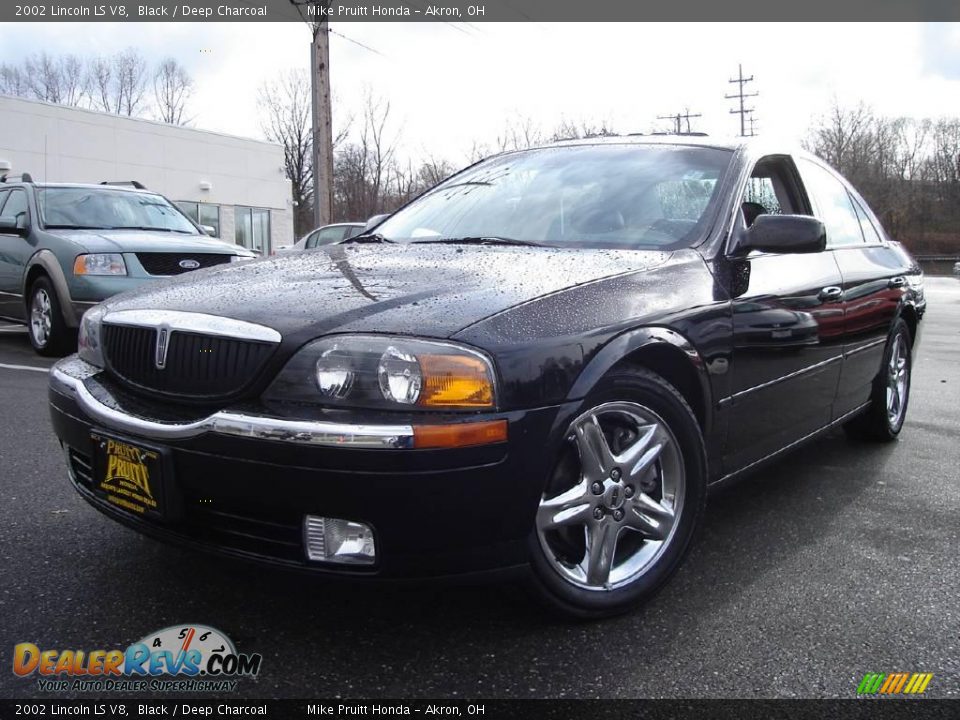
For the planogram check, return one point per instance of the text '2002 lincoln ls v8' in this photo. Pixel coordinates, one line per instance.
(539, 365)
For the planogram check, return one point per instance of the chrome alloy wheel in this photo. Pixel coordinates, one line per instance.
(621, 499)
(41, 317)
(898, 381)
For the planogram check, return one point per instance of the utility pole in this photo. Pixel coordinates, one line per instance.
(753, 119)
(322, 124)
(741, 95)
(678, 118)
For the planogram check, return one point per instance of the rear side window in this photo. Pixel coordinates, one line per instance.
(327, 236)
(834, 206)
(869, 229)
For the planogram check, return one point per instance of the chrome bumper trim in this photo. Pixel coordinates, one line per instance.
(257, 427)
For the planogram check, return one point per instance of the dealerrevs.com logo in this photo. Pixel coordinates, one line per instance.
(181, 658)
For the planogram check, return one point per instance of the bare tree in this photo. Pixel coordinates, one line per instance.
(13, 81)
(118, 83)
(100, 80)
(172, 88)
(365, 167)
(131, 81)
(284, 105)
(52, 79)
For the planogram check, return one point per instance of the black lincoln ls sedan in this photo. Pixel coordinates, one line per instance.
(540, 365)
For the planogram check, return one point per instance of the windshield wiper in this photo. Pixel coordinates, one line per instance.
(73, 227)
(367, 238)
(151, 228)
(480, 240)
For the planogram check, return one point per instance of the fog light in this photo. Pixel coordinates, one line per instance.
(338, 541)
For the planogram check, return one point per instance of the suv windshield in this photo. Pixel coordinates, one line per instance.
(606, 196)
(108, 209)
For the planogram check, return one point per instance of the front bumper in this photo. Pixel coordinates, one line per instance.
(241, 482)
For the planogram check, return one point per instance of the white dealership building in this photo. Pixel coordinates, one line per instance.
(234, 184)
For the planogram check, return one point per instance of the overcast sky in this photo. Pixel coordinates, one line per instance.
(451, 85)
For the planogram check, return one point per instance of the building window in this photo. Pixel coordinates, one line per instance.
(202, 214)
(253, 229)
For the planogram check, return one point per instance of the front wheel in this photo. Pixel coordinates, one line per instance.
(48, 331)
(623, 501)
(883, 418)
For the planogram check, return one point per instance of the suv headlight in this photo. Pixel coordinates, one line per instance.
(99, 264)
(88, 340)
(387, 372)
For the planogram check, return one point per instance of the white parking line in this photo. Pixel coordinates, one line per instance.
(24, 367)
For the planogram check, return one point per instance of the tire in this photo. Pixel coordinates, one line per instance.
(46, 327)
(883, 419)
(633, 418)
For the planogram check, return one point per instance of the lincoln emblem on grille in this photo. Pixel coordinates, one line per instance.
(189, 264)
(162, 342)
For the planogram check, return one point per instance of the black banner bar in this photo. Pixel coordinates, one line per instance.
(476, 11)
(859, 709)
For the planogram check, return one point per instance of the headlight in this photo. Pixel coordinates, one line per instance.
(100, 264)
(88, 340)
(387, 372)
(242, 258)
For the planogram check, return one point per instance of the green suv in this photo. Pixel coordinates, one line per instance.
(65, 247)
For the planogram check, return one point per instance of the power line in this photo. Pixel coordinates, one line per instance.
(741, 95)
(678, 119)
(356, 42)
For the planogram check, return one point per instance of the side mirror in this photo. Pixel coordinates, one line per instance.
(375, 220)
(209, 230)
(783, 234)
(8, 224)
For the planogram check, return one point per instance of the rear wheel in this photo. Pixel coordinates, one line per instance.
(883, 419)
(624, 500)
(46, 327)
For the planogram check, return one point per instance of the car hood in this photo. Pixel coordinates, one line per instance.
(145, 241)
(429, 290)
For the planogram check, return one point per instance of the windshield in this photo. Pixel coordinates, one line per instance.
(609, 196)
(106, 209)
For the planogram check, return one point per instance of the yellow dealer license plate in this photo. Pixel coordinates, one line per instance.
(128, 475)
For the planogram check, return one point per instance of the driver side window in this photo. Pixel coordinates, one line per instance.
(16, 207)
(772, 190)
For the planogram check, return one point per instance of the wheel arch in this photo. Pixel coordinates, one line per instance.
(663, 351)
(44, 262)
(909, 314)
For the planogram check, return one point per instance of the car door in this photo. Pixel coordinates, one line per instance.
(787, 329)
(15, 251)
(874, 283)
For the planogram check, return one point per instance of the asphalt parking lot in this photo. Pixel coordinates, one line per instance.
(840, 560)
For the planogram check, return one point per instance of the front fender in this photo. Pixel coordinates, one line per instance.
(629, 343)
(46, 260)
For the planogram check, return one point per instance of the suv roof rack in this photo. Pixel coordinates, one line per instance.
(22, 177)
(132, 183)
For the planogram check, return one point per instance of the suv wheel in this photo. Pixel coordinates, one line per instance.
(624, 499)
(48, 331)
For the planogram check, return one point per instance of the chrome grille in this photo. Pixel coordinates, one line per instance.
(196, 366)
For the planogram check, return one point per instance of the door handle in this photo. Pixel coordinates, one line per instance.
(896, 282)
(831, 292)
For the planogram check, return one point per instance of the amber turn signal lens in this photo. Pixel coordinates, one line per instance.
(459, 434)
(455, 381)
